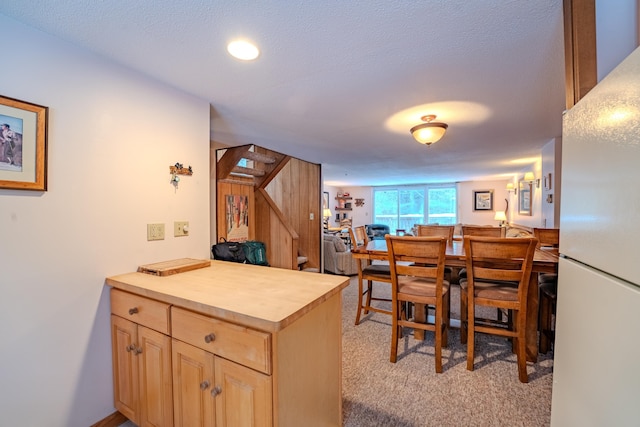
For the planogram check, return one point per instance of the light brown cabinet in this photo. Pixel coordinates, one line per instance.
(205, 383)
(142, 376)
(247, 346)
(210, 390)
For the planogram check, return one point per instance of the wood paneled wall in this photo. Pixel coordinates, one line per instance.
(297, 191)
(286, 214)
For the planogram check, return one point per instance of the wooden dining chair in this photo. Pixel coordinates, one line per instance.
(498, 274)
(417, 276)
(548, 289)
(438, 230)
(483, 230)
(480, 230)
(369, 272)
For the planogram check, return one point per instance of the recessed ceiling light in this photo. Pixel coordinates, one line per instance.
(243, 49)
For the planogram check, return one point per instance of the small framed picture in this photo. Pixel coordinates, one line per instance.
(482, 200)
(23, 145)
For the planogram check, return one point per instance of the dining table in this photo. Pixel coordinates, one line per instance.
(545, 260)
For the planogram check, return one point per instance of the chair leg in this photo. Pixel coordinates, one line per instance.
(369, 292)
(522, 348)
(463, 317)
(471, 329)
(359, 307)
(544, 343)
(395, 331)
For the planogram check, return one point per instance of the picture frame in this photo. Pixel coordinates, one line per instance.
(23, 145)
(483, 200)
(524, 198)
(325, 200)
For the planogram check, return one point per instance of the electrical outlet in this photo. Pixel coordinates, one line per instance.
(181, 228)
(155, 231)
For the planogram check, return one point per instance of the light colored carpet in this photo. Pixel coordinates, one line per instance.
(409, 393)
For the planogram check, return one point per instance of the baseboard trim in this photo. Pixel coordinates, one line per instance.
(113, 420)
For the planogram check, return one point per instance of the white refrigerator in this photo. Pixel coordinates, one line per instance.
(596, 377)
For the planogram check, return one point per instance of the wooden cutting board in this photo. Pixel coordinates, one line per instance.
(167, 268)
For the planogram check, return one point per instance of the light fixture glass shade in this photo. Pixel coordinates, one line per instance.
(510, 186)
(500, 216)
(529, 176)
(428, 133)
(326, 213)
(243, 49)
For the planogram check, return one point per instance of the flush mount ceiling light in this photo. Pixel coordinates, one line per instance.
(243, 50)
(430, 131)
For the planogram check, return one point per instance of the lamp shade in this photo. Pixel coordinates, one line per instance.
(326, 213)
(500, 216)
(428, 133)
(529, 176)
(509, 186)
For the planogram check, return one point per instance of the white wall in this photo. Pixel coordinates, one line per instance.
(112, 136)
(616, 33)
(466, 215)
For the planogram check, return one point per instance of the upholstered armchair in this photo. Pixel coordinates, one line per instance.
(337, 257)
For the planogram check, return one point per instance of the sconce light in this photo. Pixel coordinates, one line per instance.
(511, 188)
(530, 177)
(430, 131)
(500, 216)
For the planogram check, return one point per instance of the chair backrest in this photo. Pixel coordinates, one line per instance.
(358, 236)
(418, 257)
(437, 230)
(498, 259)
(547, 236)
(486, 231)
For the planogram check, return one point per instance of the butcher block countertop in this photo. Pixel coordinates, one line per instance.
(263, 298)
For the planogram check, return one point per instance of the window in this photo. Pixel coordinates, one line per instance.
(402, 207)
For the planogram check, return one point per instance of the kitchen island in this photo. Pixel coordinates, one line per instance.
(228, 344)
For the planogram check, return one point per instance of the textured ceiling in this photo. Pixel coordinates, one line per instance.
(340, 82)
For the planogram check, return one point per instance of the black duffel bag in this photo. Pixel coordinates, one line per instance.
(228, 251)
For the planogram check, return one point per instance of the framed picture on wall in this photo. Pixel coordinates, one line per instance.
(482, 200)
(23, 145)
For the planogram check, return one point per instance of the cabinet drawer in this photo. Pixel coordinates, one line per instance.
(143, 311)
(242, 345)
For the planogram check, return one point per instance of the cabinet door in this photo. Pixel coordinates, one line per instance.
(244, 397)
(192, 386)
(155, 383)
(125, 368)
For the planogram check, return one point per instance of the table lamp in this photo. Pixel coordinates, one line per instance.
(500, 216)
(326, 214)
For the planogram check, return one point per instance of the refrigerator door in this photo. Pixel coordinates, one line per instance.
(600, 209)
(596, 378)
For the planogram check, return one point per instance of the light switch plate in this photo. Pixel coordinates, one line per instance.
(180, 228)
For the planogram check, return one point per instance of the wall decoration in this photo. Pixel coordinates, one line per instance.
(524, 198)
(547, 181)
(359, 202)
(325, 200)
(176, 170)
(23, 145)
(482, 200)
(237, 217)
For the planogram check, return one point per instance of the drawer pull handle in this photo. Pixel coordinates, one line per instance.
(138, 350)
(209, 338)
(204, 385)
(216, 391)
(130, 347)
(133, 311)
